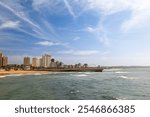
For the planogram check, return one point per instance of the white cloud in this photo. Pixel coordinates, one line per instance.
(48, 4)
(41, 30)
(10, 24)
(48, 43)
(139, 9)
(99, 32)
(45, 43)
(79, 52)
(38, 3)
(69, 7)
(90, 29)
(140, 15)
(17, 10)
(107, 6)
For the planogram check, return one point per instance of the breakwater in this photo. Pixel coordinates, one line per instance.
(88, 69)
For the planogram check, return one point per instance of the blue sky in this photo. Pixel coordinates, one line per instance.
(105, 32)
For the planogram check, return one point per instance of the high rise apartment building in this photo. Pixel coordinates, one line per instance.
(46, 59)
(26, 61)
(3, 60)
(36, 62)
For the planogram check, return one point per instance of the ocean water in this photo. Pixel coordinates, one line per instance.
(112, 84)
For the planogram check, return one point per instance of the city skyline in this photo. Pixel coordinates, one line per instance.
(47, 61)
(100, 32)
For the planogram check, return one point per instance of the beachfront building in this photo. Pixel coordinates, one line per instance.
(53, 63)
(26, 61)
(40, 62)
(3, 60)
(35, 62)
(46, 60)
(85, 65)
(59, 64)
(78, 65)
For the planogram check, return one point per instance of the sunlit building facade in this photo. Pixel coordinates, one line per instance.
(26, 61)
(3, 60)
(46, 60)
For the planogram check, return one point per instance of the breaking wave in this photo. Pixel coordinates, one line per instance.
(80, 75)
(121, 72)
(126, 77)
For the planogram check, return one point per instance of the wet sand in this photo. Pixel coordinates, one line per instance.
(3, 72)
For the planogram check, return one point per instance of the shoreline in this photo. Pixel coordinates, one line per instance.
(23, 72)
(12, 72)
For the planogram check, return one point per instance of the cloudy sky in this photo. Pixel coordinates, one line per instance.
(105, 32)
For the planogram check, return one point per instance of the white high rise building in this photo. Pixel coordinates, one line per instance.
(35, 62)
(46, 59)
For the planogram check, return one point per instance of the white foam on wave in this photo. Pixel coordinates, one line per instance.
(112, 70)
(11, 75)
(88, 73)
(2, 76)
(81, 75)
(121, 72)
(125, 77)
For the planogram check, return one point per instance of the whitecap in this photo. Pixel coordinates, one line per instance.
(81, 75)
(111, 70)
(10, 75)
(125, 77)
(121, 72)
(88, 73)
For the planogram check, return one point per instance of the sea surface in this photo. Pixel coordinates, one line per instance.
(111, 84)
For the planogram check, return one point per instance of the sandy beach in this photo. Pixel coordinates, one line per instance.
(3, 72)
